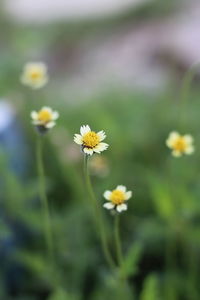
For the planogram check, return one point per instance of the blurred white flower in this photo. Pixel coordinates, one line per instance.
(45, 118)
(117, 198)
(180, 144)
(34, 75)
(90, 141)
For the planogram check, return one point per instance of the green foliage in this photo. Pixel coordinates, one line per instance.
(164, 205)
(150, 289)
(162, 198)
(61, 294)
(130, 264)
(161, 229)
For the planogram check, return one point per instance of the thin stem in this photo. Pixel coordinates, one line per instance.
(117, 239)
(98, 216)
(185, 90)
(44, 200)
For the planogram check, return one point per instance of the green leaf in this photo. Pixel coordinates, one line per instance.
(162, 198)
(130, 264)
(35, 262)
(150, 288)
(61, 294)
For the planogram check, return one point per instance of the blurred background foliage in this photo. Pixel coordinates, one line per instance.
(161, 229)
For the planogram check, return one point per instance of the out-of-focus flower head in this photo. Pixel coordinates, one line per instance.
(117, 198)
(90, 141)
(34, 75)
(180, 144)
(44, 119)
(99, 166)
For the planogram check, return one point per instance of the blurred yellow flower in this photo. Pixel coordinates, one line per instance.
(117, 198)
(34, 75)
(45, 118)
(90, 141)
(180, 144)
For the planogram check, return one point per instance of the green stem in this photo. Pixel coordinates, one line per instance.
(98, 216)
(117, 239)
(44, 200)
(185, 91)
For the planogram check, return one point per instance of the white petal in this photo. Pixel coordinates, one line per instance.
(100, 147)
(29, 66)
(176, 153)
(189, 150)
(34, 115)
(121, 207)
(88, 151)
(96, 150)
(85, 129)
(41, 66)
(37, 84)
(109, 205)
(55, 115)
(50, 124)
(121, 188)
(35, 65)
(128, 195)
(173, 136)
(188, 139)
(101, 134)
(107, 194)
(78, 139)
(49, 109)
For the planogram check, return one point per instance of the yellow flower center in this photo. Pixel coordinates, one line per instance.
(44, 116)
(91, 139)
(117, 197)
(180, 144)
(35, 75)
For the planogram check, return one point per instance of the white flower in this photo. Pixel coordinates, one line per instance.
(45, 118)
(117, 198)
(180, 144)
(34, 75)
(90, 141)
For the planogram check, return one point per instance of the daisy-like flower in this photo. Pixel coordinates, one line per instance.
(117, 198)
(44, 119)
(90, 141)
(180, 144)
(34, 75)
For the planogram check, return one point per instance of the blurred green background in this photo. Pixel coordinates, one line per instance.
(97, 78)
